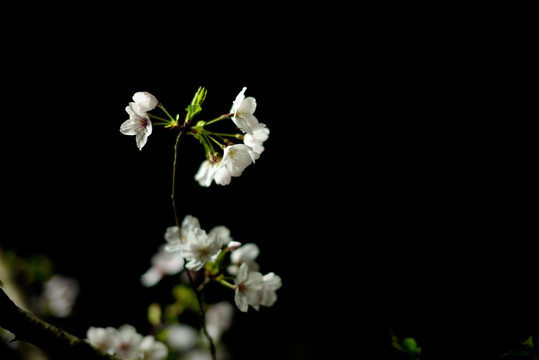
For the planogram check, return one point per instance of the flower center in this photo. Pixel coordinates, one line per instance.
(143, 122)
(204, 251)
(242, 287)
(232, 153)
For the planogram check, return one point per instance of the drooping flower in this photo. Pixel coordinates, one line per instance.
(235, 159)
(243, 109)
(249, 287)
(206, 173)
(200, 248)
(139, 124)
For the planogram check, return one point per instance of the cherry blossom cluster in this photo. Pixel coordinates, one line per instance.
(127, 343)
(192, 247)
(224, 159)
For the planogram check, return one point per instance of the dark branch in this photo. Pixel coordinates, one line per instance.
(56, 342)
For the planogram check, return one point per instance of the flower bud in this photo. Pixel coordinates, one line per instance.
(145, 100)
(199, 97)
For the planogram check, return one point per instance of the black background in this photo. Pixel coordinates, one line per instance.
(386, 198)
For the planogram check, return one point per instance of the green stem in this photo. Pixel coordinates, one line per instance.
(215, 141)
(227, 284)
(166, 112)
(213, 352)
(174, 165)
(222, 134)
(222, 117)
(158, 118)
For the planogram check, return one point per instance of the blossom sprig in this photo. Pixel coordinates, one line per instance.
(222, 260)
(224, 157)
(127, 343)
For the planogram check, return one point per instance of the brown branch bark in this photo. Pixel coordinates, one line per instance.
(57, 343)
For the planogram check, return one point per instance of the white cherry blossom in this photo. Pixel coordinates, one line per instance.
(255, 140)
(138, 124)
(206, 173)
(150, 349)
(237, 157)
(249, 286)
(243, 109)
(271, 283)
(247, 254)
(163, 263)
(105, 339)
(176, 237)
(200, 248)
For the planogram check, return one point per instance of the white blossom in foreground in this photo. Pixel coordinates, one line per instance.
(200, 248)
(139, 124)
(243, 109)
(125, 342)
(128, 342)
(151, 349)
(249, 287)
(105, 339)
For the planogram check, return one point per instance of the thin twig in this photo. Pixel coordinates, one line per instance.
(197, 293)
(201, 305)
(174, 165)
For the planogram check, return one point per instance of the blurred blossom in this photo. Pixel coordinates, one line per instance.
(271, 284)
(59, 295)
(150, 349)
(128, 341)
(125, 342)
(181, 337)
(163, 263)
(219, 319)
(105, 339)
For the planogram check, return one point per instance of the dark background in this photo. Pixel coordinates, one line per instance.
(391, 195)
